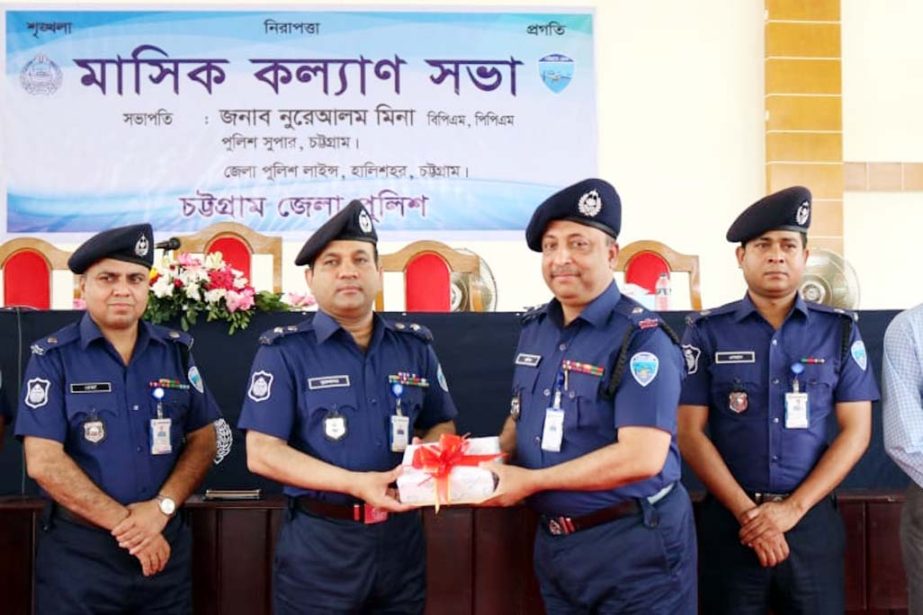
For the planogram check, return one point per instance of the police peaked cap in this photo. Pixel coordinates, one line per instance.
(786, 210)
(132, 244)
(351, 223)
(592, 202)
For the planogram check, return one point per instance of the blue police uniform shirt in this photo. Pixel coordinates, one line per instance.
(647, 395)
(75, 379)
(741, 368)
(313, 387)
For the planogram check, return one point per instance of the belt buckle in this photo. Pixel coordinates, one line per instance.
(368, 514)
(561, 526)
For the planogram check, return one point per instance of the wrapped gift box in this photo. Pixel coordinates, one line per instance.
(447, 472)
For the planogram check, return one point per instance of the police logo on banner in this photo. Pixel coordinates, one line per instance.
(691, 354)
(260, 386)
(195, 379)
(643, 367)
(556, 71)
(859, 355)
(40, 76)
(37, 392)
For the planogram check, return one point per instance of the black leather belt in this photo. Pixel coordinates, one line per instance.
(359, 512)
(562, 525)
(759, 497)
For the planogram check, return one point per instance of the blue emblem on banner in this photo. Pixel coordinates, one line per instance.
(644, 366)
(556, 70)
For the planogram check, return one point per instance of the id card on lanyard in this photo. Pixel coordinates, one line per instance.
(553, 429)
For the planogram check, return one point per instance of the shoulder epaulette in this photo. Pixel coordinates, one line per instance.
(532, 313)
(414, 329)
(62, 337)
(820, 307)
(277, 333)
(174, 335)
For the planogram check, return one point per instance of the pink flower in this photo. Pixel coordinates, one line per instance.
(220, 278)
(299, 300)
(242, 300)
(189, 261)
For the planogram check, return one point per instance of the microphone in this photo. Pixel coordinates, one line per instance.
(173, 243)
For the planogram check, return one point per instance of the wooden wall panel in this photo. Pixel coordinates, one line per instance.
(887, 585)
(811, 113)
(809, 39)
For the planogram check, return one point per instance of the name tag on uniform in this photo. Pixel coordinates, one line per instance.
(529, 360)
(160, 437)
(736, 356)
(553, 431)
(796, 411)
(91, 387)
(328, 382)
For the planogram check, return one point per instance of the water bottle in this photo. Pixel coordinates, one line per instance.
(662, 293)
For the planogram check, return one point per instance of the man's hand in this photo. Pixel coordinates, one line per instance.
(767, 519)
(515, 484)
(154, 556)
(771, 549)
(374, 488)
(143, 525)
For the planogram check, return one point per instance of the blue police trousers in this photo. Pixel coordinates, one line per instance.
(810, 581)
(644, 563)
(324, 565)
(81, 570)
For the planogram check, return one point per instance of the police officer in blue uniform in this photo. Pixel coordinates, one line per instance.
(592, 425)
(766, 377)
(330, 406)
(117, 430)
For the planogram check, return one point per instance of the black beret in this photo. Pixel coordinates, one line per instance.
(351, 223)
(133, 244)
(785, 210)
(593, 202)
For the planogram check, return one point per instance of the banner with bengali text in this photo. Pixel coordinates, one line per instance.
(454, 122)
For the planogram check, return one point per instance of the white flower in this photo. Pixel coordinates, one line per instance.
(163, 287)
(215, 296)
(192, 292)
(214, 260)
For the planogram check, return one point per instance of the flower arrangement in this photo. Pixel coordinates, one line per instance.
(185, 286)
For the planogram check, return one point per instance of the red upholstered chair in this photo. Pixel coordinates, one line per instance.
(427, 267)
(643, 261)
(237, 243)
(28, 265)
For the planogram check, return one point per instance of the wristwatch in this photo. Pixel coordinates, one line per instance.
(167, 505)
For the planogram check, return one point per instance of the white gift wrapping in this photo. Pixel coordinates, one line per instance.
(467, 484)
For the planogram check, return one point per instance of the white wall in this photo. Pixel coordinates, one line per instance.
(882, 99)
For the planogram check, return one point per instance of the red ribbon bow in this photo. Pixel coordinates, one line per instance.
(438, 459)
